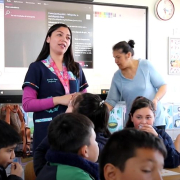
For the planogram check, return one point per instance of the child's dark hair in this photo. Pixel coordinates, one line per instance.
(122, 145)
(8, 136)
(68, 132)
(138, 103)
(125, 46)
(95, 109)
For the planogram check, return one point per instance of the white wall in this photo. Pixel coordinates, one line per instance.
(159, 31)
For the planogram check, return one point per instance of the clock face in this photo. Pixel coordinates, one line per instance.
(164, 9)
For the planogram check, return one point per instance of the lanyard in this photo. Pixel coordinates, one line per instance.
(63, 79)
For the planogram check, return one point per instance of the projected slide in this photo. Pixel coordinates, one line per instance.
(96, 28)
(27, 28)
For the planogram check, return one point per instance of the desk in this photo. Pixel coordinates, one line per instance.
(176, 177)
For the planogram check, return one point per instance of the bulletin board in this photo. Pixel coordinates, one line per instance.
(174, 55)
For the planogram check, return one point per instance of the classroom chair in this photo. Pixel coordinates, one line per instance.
(29, 171)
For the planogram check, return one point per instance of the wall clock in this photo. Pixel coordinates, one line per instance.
(164, 9)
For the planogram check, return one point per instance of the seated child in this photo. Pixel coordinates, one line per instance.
(8, 141)
(93, 107)
(177, 143)
(131, 154)
(142, 115)
(73, 149)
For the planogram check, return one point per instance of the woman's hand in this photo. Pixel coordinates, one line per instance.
(160, 93)
(109, 106)
(155, 102)
(63, 100)
(71, 102)
(148, 128)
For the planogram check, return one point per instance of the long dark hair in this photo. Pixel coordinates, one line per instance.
(68, 58)
(95, 109)
(138, 103)
(125, 46)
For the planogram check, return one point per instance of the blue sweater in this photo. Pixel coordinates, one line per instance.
(173, 156)
(145, 83)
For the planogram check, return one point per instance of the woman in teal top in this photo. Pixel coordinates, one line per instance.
(135, 78)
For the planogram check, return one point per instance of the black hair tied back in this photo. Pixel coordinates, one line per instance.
(131, 43)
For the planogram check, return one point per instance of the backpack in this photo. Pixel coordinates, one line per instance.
(12, 114)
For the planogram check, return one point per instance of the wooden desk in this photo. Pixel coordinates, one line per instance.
(176, 177)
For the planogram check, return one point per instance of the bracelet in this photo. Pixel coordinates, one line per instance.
(157, 98)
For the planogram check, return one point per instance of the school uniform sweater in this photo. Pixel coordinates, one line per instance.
(40, 152)
(173, 156)
(3, 175)
(68, 166)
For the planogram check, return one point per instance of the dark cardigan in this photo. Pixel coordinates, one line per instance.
(3, 175)
(69, 159)
(40, 152)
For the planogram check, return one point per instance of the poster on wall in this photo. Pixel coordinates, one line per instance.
(116, 118)
(176, 115)
(168, 109)
(174, 56)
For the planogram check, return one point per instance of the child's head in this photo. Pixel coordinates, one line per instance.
(71, 103)
(8, 141)
(131, 154)
(142, 112)
(95, 109)
(73, 133)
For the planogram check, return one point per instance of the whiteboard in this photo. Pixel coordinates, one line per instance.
(99, 27)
